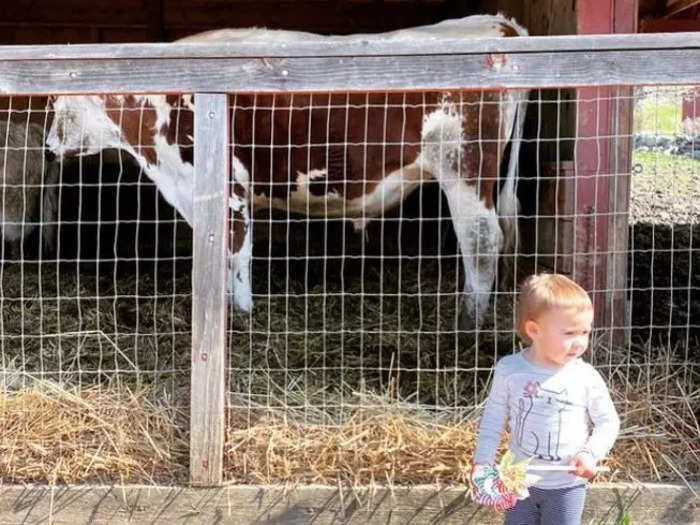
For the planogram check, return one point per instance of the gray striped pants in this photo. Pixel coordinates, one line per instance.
(549, 507)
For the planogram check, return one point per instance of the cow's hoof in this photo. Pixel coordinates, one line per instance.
(242, 302)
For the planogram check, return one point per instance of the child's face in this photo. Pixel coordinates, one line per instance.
(559, 335)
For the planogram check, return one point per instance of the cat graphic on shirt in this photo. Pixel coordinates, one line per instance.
(539, 421)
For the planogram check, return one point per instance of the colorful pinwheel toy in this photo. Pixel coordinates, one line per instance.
(503, 485)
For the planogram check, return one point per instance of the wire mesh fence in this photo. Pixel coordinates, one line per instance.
(352, 321)
(95, 299)
(371, 284)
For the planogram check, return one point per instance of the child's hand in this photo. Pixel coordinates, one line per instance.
(477, 476)
(488, 489)
(585, 464)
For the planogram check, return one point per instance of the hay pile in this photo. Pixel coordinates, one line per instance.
(366, 328)
(389, 446)
(658, 398)
(400, 443)
(53, 435)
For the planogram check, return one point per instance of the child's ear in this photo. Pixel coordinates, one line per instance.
(532, 329)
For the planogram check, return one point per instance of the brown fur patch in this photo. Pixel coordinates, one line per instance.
(358, 139)
(239, 228)
(508, 30)
(181, 127)
(137, 121)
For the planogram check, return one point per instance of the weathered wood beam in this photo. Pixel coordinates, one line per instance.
(670, 504)
(361, 73)
(209, 304)
(595, 44)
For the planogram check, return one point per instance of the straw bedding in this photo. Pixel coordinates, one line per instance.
(56, 435)
(95, 382)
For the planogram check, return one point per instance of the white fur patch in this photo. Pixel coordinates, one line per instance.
(478, 26)
(173, 176)
(387, 194)
(442, 138)
(240, 285)
(188, 101)
(86, 128)
(161, 106)
(476, 227)
(359, 224)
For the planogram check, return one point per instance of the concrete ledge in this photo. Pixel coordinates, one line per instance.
(666, 504)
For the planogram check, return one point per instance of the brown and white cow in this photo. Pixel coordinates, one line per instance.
(335, 155)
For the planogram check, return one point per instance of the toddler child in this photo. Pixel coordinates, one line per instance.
(558, 409)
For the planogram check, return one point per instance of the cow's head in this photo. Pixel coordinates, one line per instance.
(81, 127)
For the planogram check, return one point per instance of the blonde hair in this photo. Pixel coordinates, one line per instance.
(542, 292)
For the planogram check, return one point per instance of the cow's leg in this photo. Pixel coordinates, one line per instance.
(480, 239)
(241, 243)
(476, 225)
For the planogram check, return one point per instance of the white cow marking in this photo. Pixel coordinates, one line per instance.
(386, 194)
(161, 106)
(478, 233)
(173, 176)
(240, 284)
(85, 127)
(188, 101)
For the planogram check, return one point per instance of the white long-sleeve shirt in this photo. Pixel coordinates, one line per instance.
(552, 415)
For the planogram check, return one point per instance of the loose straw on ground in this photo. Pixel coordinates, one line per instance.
(52, 435)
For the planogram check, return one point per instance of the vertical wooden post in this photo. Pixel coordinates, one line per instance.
(592, 168)
(625, 21)
(690, 116)
(618, 311)
(592, 175)
(210, 198)
(603, 165)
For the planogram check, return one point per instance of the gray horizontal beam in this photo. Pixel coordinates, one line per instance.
(363, 73)
(670, 504)
(358, 46)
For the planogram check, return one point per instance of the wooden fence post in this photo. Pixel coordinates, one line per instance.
(603, 177)
(209, 304)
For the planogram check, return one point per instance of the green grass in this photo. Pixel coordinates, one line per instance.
(658, 116)
(668, 170)
(624, 520)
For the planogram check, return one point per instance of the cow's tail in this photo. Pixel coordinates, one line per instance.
(508, 205)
